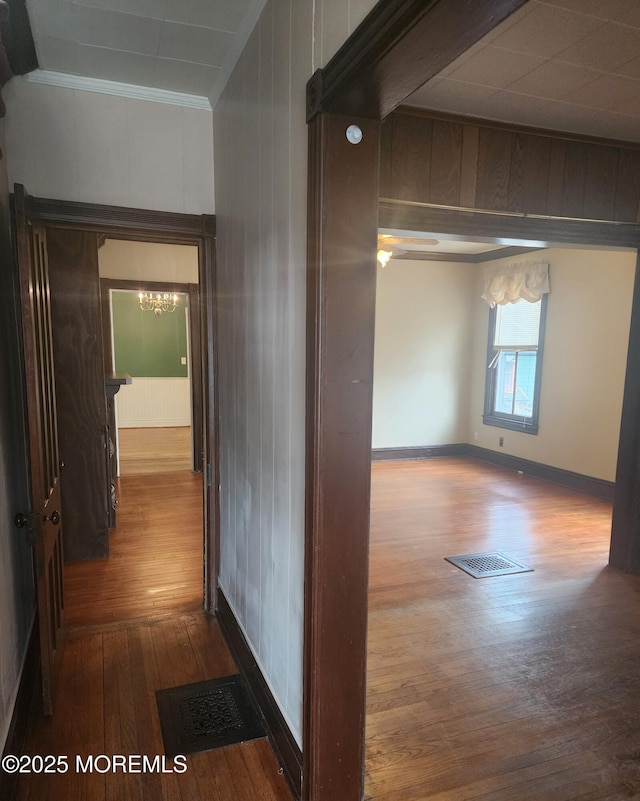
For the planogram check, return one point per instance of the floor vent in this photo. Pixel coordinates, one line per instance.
(207, 715)
(484, 565)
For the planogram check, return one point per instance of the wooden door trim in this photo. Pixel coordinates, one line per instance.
(400, 45)
(378, 67)
(495, 226)
(340, 316)
(41, 412)
(149, 225)
(192, 292)
(123, 222)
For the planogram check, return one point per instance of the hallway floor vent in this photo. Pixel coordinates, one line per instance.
(207, 715)
(484, 565)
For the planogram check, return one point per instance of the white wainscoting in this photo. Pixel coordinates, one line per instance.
(151, 402)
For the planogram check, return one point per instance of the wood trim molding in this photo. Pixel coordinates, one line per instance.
(419, 452)
(121, 220)
(399, 46)
(28, 695)
(211, 436)
(465, 258)
(341, 283)
(597, 487)
(624, 552)
(589, 485)
(287, 751)
(493, 225)
(152, 286)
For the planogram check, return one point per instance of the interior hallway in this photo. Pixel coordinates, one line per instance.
(155, 564)
(136, 625)
(501, 689)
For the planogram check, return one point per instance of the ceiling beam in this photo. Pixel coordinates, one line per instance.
(373, 73)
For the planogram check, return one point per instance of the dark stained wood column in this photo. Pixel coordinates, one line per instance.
(399, 46)
(624, 552)
(341, 313)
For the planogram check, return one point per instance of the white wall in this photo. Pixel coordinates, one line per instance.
(422, 362)
(583, 367)
(71, 144)
(431, 352)
(148, 261)
(261, 168)
(151, 402)
(154, 403)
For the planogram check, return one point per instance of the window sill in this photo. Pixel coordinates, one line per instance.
(512, 425)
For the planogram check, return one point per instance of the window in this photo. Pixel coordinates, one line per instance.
(514, 365)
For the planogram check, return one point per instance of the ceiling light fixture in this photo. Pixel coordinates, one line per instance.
(384, 256)
(157, 302)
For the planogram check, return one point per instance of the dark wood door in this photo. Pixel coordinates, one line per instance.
(83, 433)
(44, 520)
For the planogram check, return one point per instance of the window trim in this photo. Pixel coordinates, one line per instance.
(499, 419)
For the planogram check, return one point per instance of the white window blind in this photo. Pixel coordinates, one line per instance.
(517, 326)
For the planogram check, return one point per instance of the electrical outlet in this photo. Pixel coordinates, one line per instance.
(501, 442)
(183, 360)
(475, 436)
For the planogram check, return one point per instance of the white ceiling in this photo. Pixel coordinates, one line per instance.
(569, 65)
(187, 46)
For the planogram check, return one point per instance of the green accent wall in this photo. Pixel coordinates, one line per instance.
(148, 345)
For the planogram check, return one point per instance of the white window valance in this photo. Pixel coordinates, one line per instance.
(508, 283)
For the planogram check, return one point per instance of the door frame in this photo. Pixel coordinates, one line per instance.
(148, 225)
(400, 45)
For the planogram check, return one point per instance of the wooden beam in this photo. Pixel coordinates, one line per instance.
(343, 181)
(400, 45)
(496, 226)
(624, 552)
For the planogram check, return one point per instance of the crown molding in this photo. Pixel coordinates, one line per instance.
(129, 90)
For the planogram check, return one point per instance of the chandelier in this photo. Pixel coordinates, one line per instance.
(157, 302)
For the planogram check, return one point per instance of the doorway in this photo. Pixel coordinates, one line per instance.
(404, 48)
(195, 235)
(148, 291)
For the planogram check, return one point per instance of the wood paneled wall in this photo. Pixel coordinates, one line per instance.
(465, 163)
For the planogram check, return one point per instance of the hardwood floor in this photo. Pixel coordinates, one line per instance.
(136, 626)
(156, 554)
(106, 705)
(144, 451)
(514, 688)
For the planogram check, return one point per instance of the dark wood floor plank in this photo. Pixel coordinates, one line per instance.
(156, 554)
(137, 627)
(121, 736)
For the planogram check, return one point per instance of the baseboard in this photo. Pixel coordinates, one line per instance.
(286, 748)
(25, 699)
(597, 487)
(418, 452)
